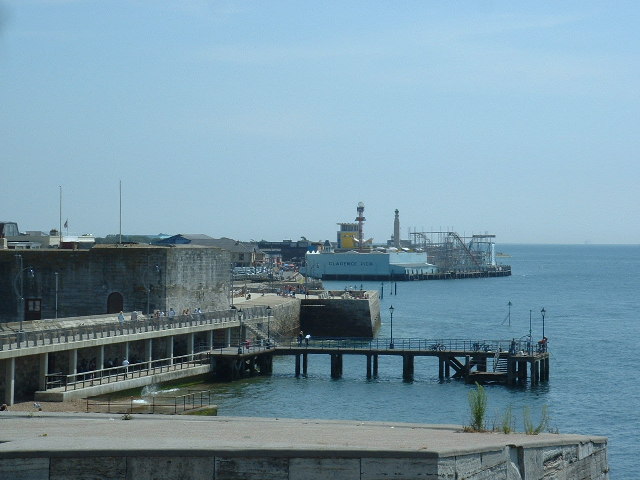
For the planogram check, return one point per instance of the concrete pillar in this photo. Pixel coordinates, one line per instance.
(210, 339)
(511, 371)
(336, 365)
(125, 353)
(148, 351)
(190, 339)
(100, 359)
(73, 361)
(43, 370)
(170, 349)
(227, 335)
(10, 380)
(546, 369)
(407, 367)
(522, 371)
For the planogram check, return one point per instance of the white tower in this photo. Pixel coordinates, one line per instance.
(396, 230)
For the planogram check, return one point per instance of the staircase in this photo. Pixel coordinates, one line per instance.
(501, 362)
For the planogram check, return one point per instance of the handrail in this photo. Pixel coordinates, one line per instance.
(493, 347)
(189, 401)
(57, 335)
(114, 374)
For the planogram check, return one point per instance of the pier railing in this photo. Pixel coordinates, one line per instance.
(144, 323)
(193, 399)
(416, 344)
(115, 374)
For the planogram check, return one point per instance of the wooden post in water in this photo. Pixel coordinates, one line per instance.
(375, 365)
(304, 364)
(368, 365)
(297, 355)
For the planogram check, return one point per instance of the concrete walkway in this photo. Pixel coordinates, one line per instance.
(272, 448)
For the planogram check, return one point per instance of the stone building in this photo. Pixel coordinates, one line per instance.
(53, 283)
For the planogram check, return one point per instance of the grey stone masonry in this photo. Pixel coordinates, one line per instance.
(78, 446)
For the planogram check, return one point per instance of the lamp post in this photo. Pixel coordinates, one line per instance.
(391, 312)
(543, 312)
(157, 270)
(19, 288)
(529, 346)
(240, 333)
(56, 274)
(269, 326)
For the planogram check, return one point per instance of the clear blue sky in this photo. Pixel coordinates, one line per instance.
(273, 119)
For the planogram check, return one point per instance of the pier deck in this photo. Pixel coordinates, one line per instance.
(501, 361)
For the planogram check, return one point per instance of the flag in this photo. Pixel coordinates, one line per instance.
(66, 223)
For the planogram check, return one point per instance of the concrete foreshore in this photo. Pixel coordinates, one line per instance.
(78, 446)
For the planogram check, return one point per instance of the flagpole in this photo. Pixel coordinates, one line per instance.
(60, 231)
(120, 241)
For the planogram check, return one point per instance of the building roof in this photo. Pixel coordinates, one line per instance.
(228, 244)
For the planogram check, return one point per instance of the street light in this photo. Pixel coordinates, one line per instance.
(56, 274)
(240, 333)
(529, 346)
(391, 312)
(268, 326)
(20, 291)
(543, 312)
(157, 270)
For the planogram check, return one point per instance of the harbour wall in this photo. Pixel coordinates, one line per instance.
(149, 447)
(355, 314)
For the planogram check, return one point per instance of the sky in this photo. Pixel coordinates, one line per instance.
(272, 120)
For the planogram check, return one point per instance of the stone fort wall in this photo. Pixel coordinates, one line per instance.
(143, 276)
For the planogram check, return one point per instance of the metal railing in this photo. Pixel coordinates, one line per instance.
(414, 344)
(50, 336)
(114, 374)
(192, 400)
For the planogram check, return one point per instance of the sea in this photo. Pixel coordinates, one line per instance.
(590, 294)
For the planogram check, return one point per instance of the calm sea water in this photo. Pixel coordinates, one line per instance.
(591, 297)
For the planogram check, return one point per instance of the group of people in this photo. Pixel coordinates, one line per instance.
(157, 314)
(302, 336)
(292, 290)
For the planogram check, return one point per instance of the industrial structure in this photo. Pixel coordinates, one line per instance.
(425, 256)
(453, 252)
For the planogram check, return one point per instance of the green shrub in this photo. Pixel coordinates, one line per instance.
(529, 428)
(507, 423)
(478, 406)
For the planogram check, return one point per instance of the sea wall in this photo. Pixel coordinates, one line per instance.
(216, 448)
(342, 315)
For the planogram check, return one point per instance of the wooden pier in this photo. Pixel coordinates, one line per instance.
(495, 361)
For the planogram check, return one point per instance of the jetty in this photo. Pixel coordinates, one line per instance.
(483, 361)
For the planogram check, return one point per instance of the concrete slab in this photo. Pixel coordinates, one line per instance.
(280, 448)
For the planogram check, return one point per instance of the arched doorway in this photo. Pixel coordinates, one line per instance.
(115, 303)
